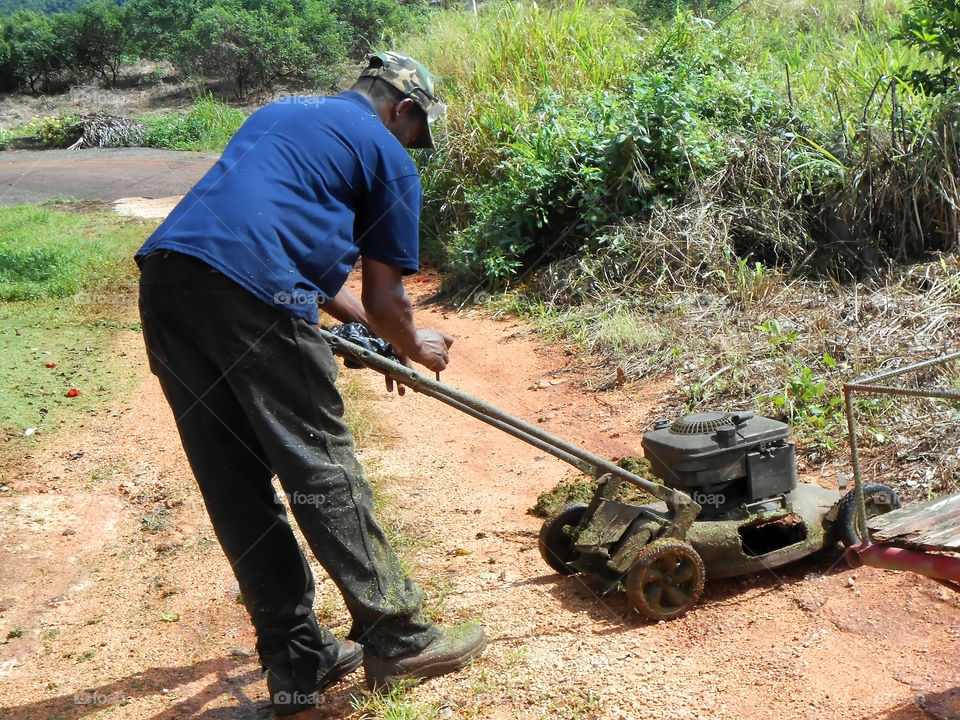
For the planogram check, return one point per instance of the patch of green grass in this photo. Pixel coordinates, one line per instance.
(155, 521)
(394, 704)
(50, 253)
(208, 125)
(67, 284)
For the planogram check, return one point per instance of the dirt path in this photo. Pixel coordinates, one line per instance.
(116, 602)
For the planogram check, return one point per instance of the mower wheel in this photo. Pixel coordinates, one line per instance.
(877, 497)
(666, 579)
(556, 538)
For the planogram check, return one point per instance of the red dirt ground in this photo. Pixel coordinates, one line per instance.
(104, 618)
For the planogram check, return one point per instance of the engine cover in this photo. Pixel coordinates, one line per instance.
(724, 460)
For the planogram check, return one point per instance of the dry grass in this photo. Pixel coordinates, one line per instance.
(684, 294)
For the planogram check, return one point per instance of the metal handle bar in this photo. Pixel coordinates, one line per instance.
(581, 459)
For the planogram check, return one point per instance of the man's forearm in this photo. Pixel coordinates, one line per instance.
(390, 315)
(346, 308)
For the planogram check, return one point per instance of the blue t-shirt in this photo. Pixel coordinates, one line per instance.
(305, 187)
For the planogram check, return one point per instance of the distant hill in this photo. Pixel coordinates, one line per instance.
(8, 7)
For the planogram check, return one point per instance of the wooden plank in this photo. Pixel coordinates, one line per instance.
(931, 525)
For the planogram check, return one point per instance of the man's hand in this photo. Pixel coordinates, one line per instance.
(434, 346)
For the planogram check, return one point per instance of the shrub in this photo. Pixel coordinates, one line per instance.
(55, 131)
(208, 125)
(586, 154)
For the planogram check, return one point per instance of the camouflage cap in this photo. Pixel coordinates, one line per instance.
(412, 79)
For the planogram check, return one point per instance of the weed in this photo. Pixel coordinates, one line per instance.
(394, 704)
(208, 125)
(776, 336)
(155, 521)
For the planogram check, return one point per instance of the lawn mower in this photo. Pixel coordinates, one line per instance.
(728, 502)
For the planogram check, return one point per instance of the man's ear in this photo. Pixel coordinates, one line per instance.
(403, 108)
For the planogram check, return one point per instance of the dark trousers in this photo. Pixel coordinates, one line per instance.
(252, 391)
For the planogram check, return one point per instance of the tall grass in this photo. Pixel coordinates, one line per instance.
(494, 68)
(567, 118)
(208, 125)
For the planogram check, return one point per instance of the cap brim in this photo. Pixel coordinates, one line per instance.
(424, 141)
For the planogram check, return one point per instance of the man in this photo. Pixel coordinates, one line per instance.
(229, 292)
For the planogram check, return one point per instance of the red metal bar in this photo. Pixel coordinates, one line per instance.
(932, 565)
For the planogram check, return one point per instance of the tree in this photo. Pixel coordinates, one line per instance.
(155, 25)
(8, 80)
(35, 50)
(252, 45)
(100, 37)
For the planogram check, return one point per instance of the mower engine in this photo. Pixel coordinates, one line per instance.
(729, 463)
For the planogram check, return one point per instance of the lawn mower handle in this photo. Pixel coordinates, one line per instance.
(682, 506)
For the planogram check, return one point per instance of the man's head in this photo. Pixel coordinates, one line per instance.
(402, 91)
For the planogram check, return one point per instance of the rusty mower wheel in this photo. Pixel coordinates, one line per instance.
(878, 499)
(666, 579)
(556, 538)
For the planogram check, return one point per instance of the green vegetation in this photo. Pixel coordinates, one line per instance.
(394, 704)
(250, 43)
(687, 188)
(208, 125)
(8, 7)
(66, 290)
(697, 190)
(555, 136)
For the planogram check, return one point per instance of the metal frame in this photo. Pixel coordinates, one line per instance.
(869, 384)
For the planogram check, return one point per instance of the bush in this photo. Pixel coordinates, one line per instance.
(251, 46)
(581, 158)
(55, 131)
(209, 125)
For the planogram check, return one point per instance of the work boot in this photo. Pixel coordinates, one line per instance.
(295, 705)
(349, 658)
(453, 649)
